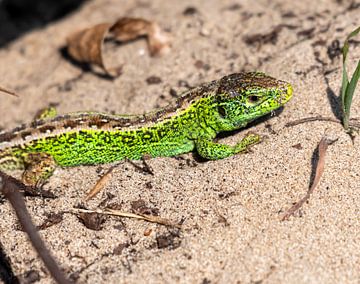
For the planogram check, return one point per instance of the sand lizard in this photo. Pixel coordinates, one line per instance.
(191, 122)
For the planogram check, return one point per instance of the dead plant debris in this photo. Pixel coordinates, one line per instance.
(6, 91)
(323, 145)
(101, 183)
(51, 220)
(169, 240)
(92, 220)
(153, 80)
(149, 218)
(139, 207)
(354, 122)
(86, 46)
(297, 146)
(190, 11)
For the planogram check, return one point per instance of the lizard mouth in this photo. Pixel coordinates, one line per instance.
(282, 98)
(288, 94)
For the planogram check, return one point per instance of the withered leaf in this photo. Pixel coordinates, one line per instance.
(126, 29)
(92, 221)
(323, 145)
(86, 45)
(51, 220)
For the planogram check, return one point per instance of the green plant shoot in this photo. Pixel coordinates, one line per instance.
(348, 88)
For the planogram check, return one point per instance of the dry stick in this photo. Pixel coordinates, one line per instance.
(354, 122)
(149, 218)
(324, 143)
(10, 189)
(8, 92)
(100, 184)
(309, 119)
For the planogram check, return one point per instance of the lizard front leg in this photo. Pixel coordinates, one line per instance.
(38, 168)
(215, 151)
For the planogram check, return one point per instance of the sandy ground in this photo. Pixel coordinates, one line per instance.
(231, 209)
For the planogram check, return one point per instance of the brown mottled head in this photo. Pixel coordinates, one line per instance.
(243, 97)
(240, 83)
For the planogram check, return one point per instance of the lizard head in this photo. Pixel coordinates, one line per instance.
(243, 97)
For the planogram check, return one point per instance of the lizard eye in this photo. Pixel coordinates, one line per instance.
(222, 111)
(253, 99)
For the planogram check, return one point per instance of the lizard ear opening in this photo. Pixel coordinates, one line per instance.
(222, 111)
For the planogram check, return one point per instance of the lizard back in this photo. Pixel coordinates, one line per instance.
(92, 137)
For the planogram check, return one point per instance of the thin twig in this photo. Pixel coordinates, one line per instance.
(310, 119)
(8, 92)
(353, 122)
(100, 184)
(10, 188)
(145, 217)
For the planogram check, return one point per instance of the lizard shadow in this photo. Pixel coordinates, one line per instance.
(314, 163)
(85, 67)
(226, 134)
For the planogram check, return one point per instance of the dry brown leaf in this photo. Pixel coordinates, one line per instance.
(92, 220)
(323, 145)
(86, 45)
(51, 220)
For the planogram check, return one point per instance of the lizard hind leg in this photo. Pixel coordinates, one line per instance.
(46, 113)
(8, 161)
(38, 168)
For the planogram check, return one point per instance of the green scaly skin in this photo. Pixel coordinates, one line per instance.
(191, 122)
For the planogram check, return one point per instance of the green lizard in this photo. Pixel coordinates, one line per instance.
(190, 122)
